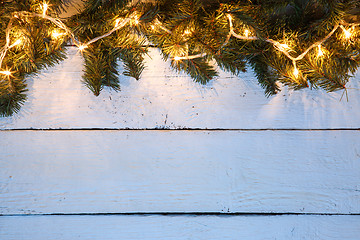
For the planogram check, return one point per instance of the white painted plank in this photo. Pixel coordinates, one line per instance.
(163, 98)
(179, 171)
(180, 227)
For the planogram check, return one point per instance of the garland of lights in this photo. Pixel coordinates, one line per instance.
(120, 23)
(228, 37)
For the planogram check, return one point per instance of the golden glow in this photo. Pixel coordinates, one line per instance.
(246, 32)
(177, 58)
(55, 34)
(320, 52)
(284, 46)
(117, 21)
(296, 71)
(82, 47)
(45, 8)
(6, 72)
(347, 33)
(187, 32)
(17, 42)
(281, 46)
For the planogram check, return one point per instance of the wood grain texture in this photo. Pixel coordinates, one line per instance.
(180, 227)
(179, 171)
(163, 98)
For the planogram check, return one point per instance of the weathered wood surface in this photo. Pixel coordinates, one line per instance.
(179, 171)
(165, 99)
(180, 227)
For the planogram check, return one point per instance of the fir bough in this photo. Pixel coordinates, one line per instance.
(298, 43)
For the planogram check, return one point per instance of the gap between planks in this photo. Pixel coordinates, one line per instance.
(184, 214)
(181, 129)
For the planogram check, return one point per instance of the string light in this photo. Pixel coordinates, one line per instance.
(320, 52)
(55, 34)
(45, 8)
(17, 42)
(134, 19)
(246, 33)
(187, 32)
(281, 46)
(177, 58)
(6, 73)
(82, 47)
(296, 70)
(347, 33)
(117, 21)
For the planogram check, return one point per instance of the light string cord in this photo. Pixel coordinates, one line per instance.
(277, 45)
(7, 46)
(58, 23)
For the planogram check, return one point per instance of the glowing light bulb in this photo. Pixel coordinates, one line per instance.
(177, 58)
(117, 21)
(17, 42)
(347, 33)
(6, 72)
(187, 32)
(320, 52)
(281, 46)
(55, 34)
(246, 32)
(296, 70)
(45, 8)
(284, 46)
(82, 47)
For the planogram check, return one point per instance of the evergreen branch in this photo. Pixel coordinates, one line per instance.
(12, 95)
(266, 78)
(100, 69)
(272, 36)
(133, 63)
(198, 69)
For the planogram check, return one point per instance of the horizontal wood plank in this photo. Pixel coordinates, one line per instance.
(163, 98)
(180, 227)
(179, 171)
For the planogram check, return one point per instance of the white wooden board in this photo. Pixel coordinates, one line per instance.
(165, 99)
(179, 171)
(180, 227)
